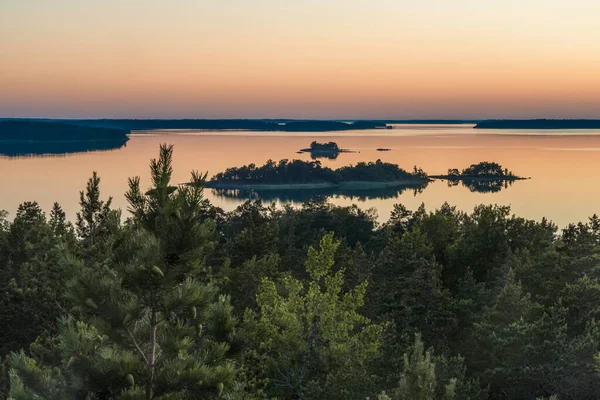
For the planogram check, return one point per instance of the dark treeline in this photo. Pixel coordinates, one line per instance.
(539, 124)
(52, 131)
(324, 126)
(217, 124)
(303, 172)
(379, 171)
(282, 172)
(329, 147)
(185, 301)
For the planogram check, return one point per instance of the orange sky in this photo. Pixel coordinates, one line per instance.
(300, 59)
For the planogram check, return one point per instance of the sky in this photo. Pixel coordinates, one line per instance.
(350, 59)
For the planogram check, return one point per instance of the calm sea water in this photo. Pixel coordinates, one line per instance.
(563, 166)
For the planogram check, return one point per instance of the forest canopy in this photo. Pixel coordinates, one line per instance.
(178, 299)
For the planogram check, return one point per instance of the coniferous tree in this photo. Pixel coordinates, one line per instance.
(58, 222)
(96, 217)
(143, 325)
(418, 380)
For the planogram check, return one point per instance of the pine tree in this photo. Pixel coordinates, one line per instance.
(418, 380)
(144, 325)
(95, 218)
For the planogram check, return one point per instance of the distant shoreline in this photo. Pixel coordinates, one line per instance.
(206, 124)
(539, 124)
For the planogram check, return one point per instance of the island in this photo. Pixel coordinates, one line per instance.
(539, 124)
(481, 177)
(298, 174)
(484, 170)
(324, 150)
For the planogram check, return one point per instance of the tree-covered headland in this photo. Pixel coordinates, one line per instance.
(22, 130)
(174, 298)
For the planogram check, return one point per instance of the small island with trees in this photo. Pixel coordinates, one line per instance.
(298, 174)
(329, 150)
(483, 177)
(481, 171)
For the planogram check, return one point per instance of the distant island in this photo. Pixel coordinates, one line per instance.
(540, 124)
(216, 124)
(298, 174)
(20, 130)
(324, 150)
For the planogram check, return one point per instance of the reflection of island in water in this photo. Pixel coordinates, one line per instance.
(38, 148)
(302, 195)
(328, 156)
(482, 186)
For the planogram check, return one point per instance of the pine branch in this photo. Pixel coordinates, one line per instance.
(137, 346)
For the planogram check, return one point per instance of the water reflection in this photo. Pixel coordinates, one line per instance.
(482, 186)
(33, 149)
(300, 196)
(555, 161)
(328, 156)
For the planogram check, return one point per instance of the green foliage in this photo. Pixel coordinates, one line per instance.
(486, 169)
(30, 295)
(283, 172)
(310, 340)
(148, 308)
(143, 324)
(379, 171)
(327, 147)
(96, 221)
(418, 380)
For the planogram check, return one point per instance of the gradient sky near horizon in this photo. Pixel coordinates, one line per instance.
(390, 59)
